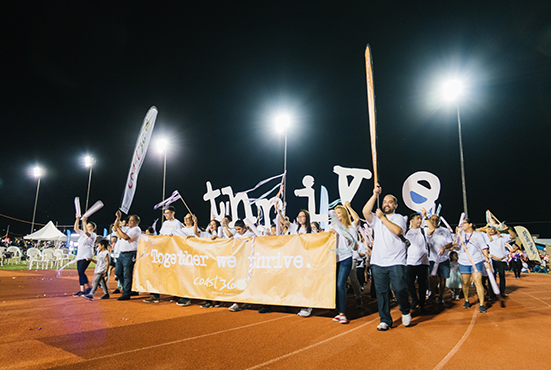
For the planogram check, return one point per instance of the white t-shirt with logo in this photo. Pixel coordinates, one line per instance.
(439, 238)
(171, 227)
(345, 248)
(116, 249)
(497, 245)
(417, 251)
(245, 235)
(388, 248)
(101, 259)
(187, 231)
(475, 243)
(131, 244)
(85, 246)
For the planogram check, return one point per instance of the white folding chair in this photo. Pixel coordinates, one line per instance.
(60, 258)
(2, 250)
(48, 257)
(33, 256)
(16, 254)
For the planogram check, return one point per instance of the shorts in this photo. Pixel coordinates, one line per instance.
(468, 269)
(112, 261)
(443, 269)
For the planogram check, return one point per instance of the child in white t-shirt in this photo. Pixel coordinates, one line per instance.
(455, 280)
(102, 263)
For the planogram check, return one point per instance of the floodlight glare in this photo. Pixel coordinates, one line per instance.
(88, 161)
(452, 89)
(162, 145)
(37, 172)
(282, 122)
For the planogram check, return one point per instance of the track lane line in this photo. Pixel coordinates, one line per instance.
(536, 298)
(313, 345)
(453, 351)
(172, 342)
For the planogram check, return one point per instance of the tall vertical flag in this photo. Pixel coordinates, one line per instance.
(371, 108)
(138, 158)
(528, 243)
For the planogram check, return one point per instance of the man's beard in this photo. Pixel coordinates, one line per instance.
(388, 210)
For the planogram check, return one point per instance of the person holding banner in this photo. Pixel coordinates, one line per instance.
(190, 229)
(498, 253)
(171, 226)
(473, 253)
(85, 252)
(241, 233)
(128, 247)
(440, 244)
(224, 231)
(388, 258)
(304, 227)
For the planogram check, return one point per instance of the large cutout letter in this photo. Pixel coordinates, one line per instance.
(234, 203)
(308, 192)
(347, 192)
(211, 195)
(416, 195)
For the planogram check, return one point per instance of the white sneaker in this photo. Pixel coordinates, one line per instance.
(234, 308)
(406, 319)
(305, 312)
(383, 326)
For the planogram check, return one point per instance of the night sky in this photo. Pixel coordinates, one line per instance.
(77, 78)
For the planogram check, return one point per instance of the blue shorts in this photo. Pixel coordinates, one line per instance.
(468, 269)
(443, 269)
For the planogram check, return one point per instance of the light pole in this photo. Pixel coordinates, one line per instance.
(37, 172)
(452, 90)
(282, 123)
(88, 163)
(162, 146)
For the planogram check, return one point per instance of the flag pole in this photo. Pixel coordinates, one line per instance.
(189, 210)
(371, 112)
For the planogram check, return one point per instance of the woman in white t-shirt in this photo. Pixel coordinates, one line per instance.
(85, 252)
(304, 227)
(344, 259)
(473, 253)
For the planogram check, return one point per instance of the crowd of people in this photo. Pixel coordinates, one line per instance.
(411, 260)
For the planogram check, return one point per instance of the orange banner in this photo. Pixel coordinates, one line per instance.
(371, 109)
(290, 270)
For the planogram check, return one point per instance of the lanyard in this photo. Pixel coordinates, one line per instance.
(468, 240)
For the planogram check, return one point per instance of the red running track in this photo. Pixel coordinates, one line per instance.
(43, 326)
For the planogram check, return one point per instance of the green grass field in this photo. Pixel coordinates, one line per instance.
(23, 266)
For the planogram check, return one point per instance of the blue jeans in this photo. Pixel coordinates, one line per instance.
(124, 271)
(394, 277)
(343, 270)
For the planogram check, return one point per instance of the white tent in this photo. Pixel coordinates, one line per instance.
(48, 232)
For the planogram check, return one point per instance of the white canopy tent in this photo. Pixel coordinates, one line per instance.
(48, 232)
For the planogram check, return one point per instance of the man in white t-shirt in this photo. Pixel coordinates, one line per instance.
(388, 258)
(418, 257)
(128, 247)
(171, 226)
(498, 253)
(440, 244)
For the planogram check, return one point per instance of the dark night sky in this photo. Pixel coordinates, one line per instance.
(79, 77)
